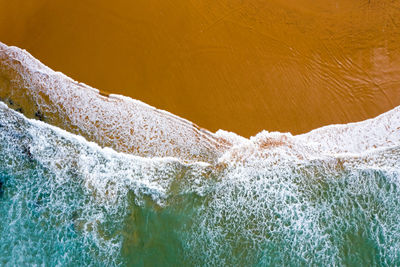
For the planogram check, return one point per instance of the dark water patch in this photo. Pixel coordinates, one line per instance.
(27, 151)
(39, 115)
(12, 104)
(1, 187)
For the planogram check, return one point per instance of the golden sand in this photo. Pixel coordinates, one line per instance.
(243, 66)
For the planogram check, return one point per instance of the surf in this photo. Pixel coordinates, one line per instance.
(94, 179)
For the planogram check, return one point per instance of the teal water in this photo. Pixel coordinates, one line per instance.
(65, 201)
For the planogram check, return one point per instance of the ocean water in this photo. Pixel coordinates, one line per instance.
(67, 201)
(109, 181)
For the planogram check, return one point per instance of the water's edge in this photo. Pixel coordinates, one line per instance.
(154, 189)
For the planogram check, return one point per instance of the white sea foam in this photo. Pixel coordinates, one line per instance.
(68, 163)
(273, 199)
(128, 125)
(119, 122)
(269, 194)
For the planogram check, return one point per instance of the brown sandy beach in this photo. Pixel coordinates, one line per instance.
(241, 66)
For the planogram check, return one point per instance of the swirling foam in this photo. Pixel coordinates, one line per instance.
(261, 205)
(328, 197)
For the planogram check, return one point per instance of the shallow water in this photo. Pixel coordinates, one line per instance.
(67, 201)
(241, 66)
(327, 197)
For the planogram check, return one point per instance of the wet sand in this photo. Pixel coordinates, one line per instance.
(241, 66)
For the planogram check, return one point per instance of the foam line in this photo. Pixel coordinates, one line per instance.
(131, 126)
(122, 123)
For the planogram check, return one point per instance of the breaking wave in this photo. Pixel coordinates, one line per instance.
(170, 193)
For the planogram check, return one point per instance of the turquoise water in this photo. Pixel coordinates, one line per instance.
(66, 201)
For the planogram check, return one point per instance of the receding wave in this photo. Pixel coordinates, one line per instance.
(115, 121)
(154, 189)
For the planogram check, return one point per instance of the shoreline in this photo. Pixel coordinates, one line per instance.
(282, 66)
(122, 123)
(131, 126)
